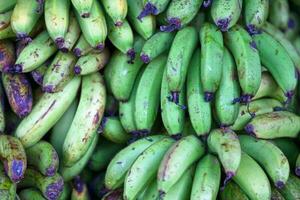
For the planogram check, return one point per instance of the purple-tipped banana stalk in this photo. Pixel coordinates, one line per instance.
(118, 24)
(291, 23)
(78, 184)
(208, 96)
(131, 54)
(15, 170)
(229, 176)
(252, 29)
(54, 190)
(207, 3)
(223, 24)
(289, 96)
(100, 47)
(173, 24)
(51, 170)
(149, 9)
(279, 184)
(246, 98)
(145, 58)
(177, 136)
(77, 52)
(77, 70)
(249, 128)
(253, 45)
(48, 89)
(59, 42)
(85, 15)
(297, 171)
(174, 97)
(18, 68)
(38, 77)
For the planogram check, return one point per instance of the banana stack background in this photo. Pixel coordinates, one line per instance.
(149, 99)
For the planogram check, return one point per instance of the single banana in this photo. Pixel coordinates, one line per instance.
(117, 10)
(274, 125)
(57, 19)
(199, 109)
(279, 13)
(212, 52)
(225, 143)
(19, 93)
(177, 160)
(145, 168)
(226, 110)
(147, 95)
(156, 45)
(153, 7)
(269, 156)
(179, 14)
(82, 47)
(291, 189)
(146, 26)
(39, 73)
(35, 54)
(91, 63)
(79, 190)
(31, 194)
(247, 60)
(179, 58)
(94, 27)
(83, 7)
(207, 179)
(7, 55)
(225, 13)
(233, 191)
(258, 186)
(121, 163)
(297, 167)
(7, 5)
(46, 113)
(6, 30)
(86, 120)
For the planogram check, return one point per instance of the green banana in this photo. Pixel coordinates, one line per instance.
(26, 14)
(274, 125)
(83, 7)
(279, 13)
(247, 60)
(7, 5)
(179, 58)
(254, 108)
(225, 13)
(59, 73)
(257, 187)
(94, 27)
(153, 7)
(207, 179)
(8, 57)
(273, 56)
(255, 14)
(57, 19)
(50, 186)
(229, 90)
(151, 192)
(233, 191)
(199, 109)
(35, 53)
(5, 27)
(46, 113)
(117, 10)
(297, 167)
(291, 189)
(39, 73)
(144, 27)
(13, 157)
(147, 95)
(121, 163)
(19, 93)
(79, 190)
(86, 120)
(82, 47)
(177, 160)
(43, 157)
(91, 63)
(111, 128)
(225, 143)
(156, 45)
(137, 180)
(179, 14)
(269, 156)
(111, 106)
(31, 194)
(8, 189)
(212, 52)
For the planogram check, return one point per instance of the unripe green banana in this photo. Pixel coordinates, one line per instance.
(179, 58)
(79, 190)
(255, 14)
(8, 189)
(83, 7)
(35, 54)
(199, 109)
(297, 167)
(68, 173)
(19, 93)
(123, 73)
(13, 157)
(46, 113)
(5, 27)
(254, 108)
(207, 179)
(50, 186)
(57, 19)
(226, 110)
(91, 63)
(147, 95)
(156, 45)
(291, 189)
(7, 5)
(257, 187)
(247, 60)
(212, 52)
(151, 192)
(43, 157)
(274, 125)
(7, 53)
(179, 14)
(31, 194)
(120, 164)
(233, 191)
(111, 106)
(144, 27)
(86, 120)
(117, 10)
(39, 73)
(144, 168)
(59, 73)
(111, 128)
(82, 47)
(273, 56)
(94, 27)
(177, 160)
(279, 13)
(225, 13)
(269, 156)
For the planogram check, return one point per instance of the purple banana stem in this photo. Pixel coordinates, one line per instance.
(59, 42)
(131, 54)
(145, 58)
(208, 96)
(77, 52)
(54, 190)
(100, 47)
(207, 3)
(118, 23)
(249, 128)
(223, 24)
(289, 96)
(246, 98)
(174, 97)
(229, 176)
(149, 9)
(77, 70)
(177, 136)
(297, 171)
(279, 184)
(78, 184)
(173, 24)
(85, 15)
(253, 30)
(48, 89)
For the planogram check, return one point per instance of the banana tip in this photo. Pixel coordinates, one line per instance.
(59, 42)
(149, 9)
(54, 190)
(85, 15)
(246, 98)
(223, 24)
(50, 171)
(17, 170)
(145, 58)
(174, 23)
(17, 68)
(297, 171)
(207, 3)
(229, 176)
(24, 38)
(177, 136)
(118, 23)
(77, 52)
(208, 96)
(291, 23)
(78, 184)
(161, 194)
(37, 77)
(100, 47)
(131, 54)
(279, 184)
(249, 128)
(252, 29)
(48, 89)
(77, 70)
(175, 97)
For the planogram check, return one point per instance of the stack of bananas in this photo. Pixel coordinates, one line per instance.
(150, 99)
